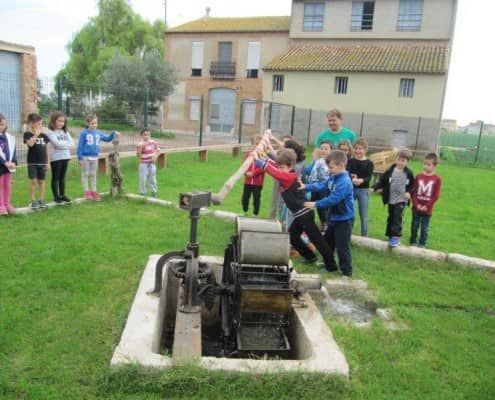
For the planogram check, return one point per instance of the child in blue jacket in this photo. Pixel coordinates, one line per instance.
(340, 203)
(88, 150)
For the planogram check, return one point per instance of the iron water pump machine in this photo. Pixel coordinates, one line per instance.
(255, 295)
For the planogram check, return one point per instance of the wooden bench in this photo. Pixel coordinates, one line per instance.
(161, 161)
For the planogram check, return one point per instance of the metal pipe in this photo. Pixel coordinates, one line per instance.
(479, 143)
(241, 117)
(362, 125)
(418, 131)
(160, 264)
(309, 126)
(201, 116)
(293, 114)
(194, 216)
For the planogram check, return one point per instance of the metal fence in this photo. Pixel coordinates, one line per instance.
(216, 118)
(474, 147)
(381, 131)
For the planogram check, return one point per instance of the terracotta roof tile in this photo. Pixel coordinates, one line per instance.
(249, 24)
(404, 59)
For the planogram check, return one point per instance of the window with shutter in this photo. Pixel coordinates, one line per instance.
(197, 58)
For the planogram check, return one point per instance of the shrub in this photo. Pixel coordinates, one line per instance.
(163, 135)
(111, 109)
(447, 154)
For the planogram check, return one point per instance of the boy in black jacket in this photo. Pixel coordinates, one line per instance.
(396, 185)
(294, 198)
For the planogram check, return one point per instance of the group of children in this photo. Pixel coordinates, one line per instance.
(331, 183)
(52, 151)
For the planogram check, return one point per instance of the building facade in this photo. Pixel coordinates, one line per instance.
(383, 63)
(220, 60)
(17, 83)
(386, 58)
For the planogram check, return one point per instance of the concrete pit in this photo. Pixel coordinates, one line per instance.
(149, 340)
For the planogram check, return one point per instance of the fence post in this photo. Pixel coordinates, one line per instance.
(201, 102)
(241, 117)
(292, 120)
(145, 108)
(309, 126)
(479, 143)
(362, 124)
(59, 94)
(417, 135)
(270, 115)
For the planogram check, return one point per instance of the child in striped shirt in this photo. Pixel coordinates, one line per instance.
(147, 151)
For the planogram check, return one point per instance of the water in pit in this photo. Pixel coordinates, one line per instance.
(352, 305)
(265, 339)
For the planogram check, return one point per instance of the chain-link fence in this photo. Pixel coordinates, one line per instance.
(476, 146)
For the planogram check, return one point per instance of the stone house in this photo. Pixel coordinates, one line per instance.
(384, 63)
(221, 60)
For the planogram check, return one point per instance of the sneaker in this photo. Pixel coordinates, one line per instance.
(34, 205)
(88, 195)
(422, 246)
(65, 199)
(394, 241)
(3, 211)
(42, 204)
(59, 201)
(153, 194)
(310, 260)
(96, 196)
(325, 268)
(10, 208)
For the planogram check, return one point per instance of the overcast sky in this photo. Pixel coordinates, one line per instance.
(48, 25)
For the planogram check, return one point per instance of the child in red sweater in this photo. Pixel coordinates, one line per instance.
(426, 192)
(253, 182)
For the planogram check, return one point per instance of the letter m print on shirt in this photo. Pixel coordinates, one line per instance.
(425, 190)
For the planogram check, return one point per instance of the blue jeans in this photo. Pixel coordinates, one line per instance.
(421, 222)
(362, 196)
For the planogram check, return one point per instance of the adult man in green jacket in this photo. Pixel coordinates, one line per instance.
(336, 132)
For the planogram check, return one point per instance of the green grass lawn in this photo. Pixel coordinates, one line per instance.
(68, 277)
(463, 221)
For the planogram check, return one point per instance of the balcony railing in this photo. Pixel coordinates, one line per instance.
(222, 70)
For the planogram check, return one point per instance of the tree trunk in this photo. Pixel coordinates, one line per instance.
(116, 178)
